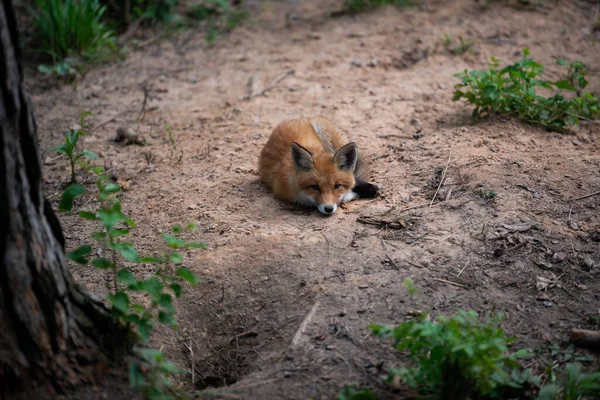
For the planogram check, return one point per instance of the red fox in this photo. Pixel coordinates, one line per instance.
(307, 161)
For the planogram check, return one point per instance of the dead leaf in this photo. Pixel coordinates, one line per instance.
(542, 296)
(543, 283)
(149, 206)
(124, 183)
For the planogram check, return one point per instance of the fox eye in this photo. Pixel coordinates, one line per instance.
(336, 186)
(315, 187)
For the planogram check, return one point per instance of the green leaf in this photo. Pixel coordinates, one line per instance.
(89, 154)
(176, 289)
(187, 275)
(173, 241)
(166, 319)
(87, 215)
(151, 260)
(136, 376)
(111, 188)
(127, 251)
(176, 257)
(98, 235)
(165, 301)
(145, 329)
(102, 263)
(191, 226)
(120, 302)
(111, 216)
(125, 276)
(195, 245)
(98, 169)
(560, 61)
(70, 193)
(114, 233)
(80, 255)
(564, 84)
(176, 228)
(152, 285)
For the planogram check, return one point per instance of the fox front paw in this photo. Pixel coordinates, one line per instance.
(365, 190)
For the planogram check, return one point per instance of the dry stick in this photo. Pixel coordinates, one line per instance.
(443, 175)
(450, 282)
(146, 90)
(586, 196)
(463, 268)
(305, 322)
(273, 83)
(102, 124)
(392, 261)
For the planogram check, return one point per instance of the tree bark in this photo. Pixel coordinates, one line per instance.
(52, 331)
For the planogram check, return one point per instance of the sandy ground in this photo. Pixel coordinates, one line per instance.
(385, 79)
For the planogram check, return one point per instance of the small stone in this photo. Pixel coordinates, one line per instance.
(287, 374)
(547, 304)
(573, 225)
(329, 347)
(359, 63)
(363, 286)
(589, 263)
(342, 313)
(192, 206)
(559, 257)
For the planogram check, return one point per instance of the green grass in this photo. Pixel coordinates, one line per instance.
(515, 90)
(70, 28)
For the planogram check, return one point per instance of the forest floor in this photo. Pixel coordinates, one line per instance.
(502, 234)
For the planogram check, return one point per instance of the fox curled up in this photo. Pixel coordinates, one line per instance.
(307, 161)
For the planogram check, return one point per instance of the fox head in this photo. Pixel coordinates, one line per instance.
(323, 180)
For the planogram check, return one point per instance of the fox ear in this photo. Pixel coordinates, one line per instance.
(302, 158)
(346, 157)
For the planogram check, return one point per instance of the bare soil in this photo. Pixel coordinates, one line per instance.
(286, 293)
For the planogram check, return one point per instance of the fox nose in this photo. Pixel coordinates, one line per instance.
(328, 209)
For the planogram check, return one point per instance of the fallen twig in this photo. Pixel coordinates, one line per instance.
(392, 261)
(586, 196)
(443, 175)
(95, 128)
(144, 103)
(463, 268)
(450, 282)
(383, 223)
(272, 85)
(298, 335)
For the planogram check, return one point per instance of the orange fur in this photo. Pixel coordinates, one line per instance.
(289, 183)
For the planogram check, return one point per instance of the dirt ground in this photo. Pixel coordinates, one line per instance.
(286, 293)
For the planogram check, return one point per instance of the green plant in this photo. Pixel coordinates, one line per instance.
(354, 6)
(150, 371)
(410, 286)
(460, 355)
(354, 393)
(463, 45)
(512, 90)
(486, 195)
(155, 10)
(169, 130)
(70, 28)
(69, 147)
(574, 385)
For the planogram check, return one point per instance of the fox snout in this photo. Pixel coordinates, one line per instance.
(327, 209)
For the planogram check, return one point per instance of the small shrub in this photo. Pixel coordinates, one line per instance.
(74, 29)
(574, 385)
(353, 393)
(150, 371)
(512, 90)
(485, 195)
(459, 355)
(463, 45)
(155, 10)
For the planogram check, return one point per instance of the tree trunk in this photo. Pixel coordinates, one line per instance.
(52, 332)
